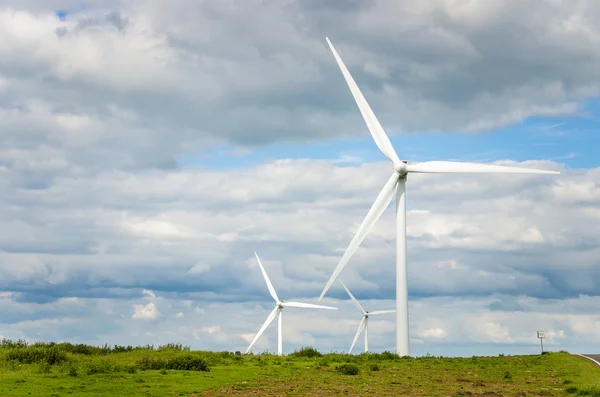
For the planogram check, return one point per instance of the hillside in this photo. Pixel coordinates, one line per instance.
(49, 369)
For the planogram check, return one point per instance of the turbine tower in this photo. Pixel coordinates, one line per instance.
(397, 183)
(278, 311)
(364, 324)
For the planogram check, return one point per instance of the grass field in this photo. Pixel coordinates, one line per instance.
(173, 370)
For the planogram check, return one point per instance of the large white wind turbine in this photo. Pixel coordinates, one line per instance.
(364, 324)
(278, 310)
(397, 182)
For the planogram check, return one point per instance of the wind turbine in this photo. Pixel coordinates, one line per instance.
(278, 311)
(397, 182)
(364, 324)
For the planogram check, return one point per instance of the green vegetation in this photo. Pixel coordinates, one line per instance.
(64, 369)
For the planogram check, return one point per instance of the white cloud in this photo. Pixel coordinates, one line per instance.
(212, 329)
(433, 333)
(145, 312)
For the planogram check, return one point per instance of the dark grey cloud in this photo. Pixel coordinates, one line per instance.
(152, 81)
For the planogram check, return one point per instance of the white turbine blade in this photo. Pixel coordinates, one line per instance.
(353, 298)
(379, 136)
(380, 204)
(376, 312)
(307, 305)
(358, 331)
(264, 326)
(453, 167)
(269, 285)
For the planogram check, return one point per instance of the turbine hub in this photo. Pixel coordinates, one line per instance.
(401, 168)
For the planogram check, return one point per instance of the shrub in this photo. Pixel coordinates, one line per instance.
(72, 370)
(121, 349)
(44, 368)
(375, 367)
(348, 369)
(388, 355)
(100, 367)
(9, 344)
(30, 355)
(306, 351)
(174, 346)
(180, 363)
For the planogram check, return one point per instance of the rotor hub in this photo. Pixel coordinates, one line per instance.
(401, 168)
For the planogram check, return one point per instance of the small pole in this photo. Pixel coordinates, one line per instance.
(540, 335)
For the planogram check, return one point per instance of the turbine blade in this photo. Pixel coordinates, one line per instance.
(353, 298)
(307, 305)
(453, 167)
(269, 285)
(379, 136)
(264, 326)
(380, 204)
(358, 331)
(376, 312)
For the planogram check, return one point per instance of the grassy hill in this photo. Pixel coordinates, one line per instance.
(64, 369)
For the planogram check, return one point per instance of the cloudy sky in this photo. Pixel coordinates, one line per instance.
(148, 148)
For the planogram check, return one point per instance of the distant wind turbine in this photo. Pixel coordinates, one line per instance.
(397, 182)
(364, 324)
(278, 310)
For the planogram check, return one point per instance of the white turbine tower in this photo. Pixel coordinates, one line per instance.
(364, 324)
(397, 182)
(278, 310)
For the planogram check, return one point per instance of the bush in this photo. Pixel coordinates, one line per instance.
(348, 369)
(174, 346)
(44, 368)
(388, 355)
(31, 355)
(122, 349)
(99, 367)
(375, 367)
(180, 363)
(306, 351)
(72, 370)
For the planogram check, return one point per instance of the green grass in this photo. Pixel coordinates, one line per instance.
(174, 370)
